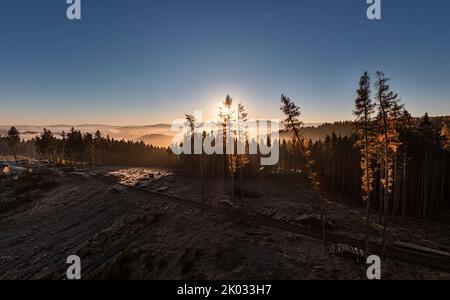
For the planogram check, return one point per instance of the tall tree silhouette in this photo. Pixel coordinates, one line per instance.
(243, 158)
(98, 147)
(13, 139)
(226, 118)
(226, 115)
(292, 122)
(202, 171)
(293, 125)
(89, 149)
(364, 109)
(405, 134)
(46, 145)
(191, 122)
(388, 111)
(427, 138)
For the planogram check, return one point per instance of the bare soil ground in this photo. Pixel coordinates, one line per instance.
(120, 233)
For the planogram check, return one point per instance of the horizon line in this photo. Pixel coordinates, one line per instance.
(168, 124)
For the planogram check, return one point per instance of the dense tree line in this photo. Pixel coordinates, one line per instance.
(390, 161)
(76, 148)
(12, 145)
(407, 170)
(319, 132)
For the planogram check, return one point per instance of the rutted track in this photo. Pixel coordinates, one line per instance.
(36, 246)
(410, 257)
(112, 252)
(69, 222)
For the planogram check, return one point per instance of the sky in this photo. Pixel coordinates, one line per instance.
(150, 61)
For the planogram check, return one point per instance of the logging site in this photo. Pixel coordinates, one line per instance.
(179, 148)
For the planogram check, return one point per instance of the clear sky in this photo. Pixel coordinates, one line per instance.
(150, 61)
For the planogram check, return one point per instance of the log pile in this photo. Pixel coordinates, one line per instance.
(267, 212)
(348, 251)
(287, 218)
(272, 213)
(314, 220)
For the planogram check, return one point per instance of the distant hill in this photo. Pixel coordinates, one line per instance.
(316, 133)
(321, 131)
(161, 134)
(159, 140)
(136, 133)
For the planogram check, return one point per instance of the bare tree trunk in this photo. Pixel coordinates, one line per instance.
(381, 194)
(241, 205)
(203, 182)
(404, 184)
(396, 189)
(367, 182)
(232, 195)
(368, 224)
(386, 177)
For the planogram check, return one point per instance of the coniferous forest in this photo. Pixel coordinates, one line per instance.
(389, 161)
(392, 161)
(226, 146)
(76, 148)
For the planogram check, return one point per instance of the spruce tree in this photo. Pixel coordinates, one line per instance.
(364, 109)
(13, 140)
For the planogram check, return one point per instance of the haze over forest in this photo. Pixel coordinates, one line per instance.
(159, 135)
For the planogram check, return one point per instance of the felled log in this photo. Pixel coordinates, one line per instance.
(287, 218)
(267, 212)
(345, 250)
(420, 249)
(79, 175)
(226, 202)
(261, 211)
(162, 189)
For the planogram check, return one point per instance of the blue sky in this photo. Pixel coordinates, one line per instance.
(151, 61)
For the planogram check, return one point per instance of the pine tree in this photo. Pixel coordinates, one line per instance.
(425, 134)
(226, 118)
(243, 159)
(292, 122)
(202, 171)
(226, 115)
(193, 127)
(98, 142)
(388, 108)
(89, 149)
(405, 133)
(364, 109)
(13, 139)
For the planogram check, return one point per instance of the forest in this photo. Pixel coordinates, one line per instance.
(392, 161)
(88, 150)
(385, 158)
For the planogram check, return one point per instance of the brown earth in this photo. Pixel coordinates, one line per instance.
(120, 233)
